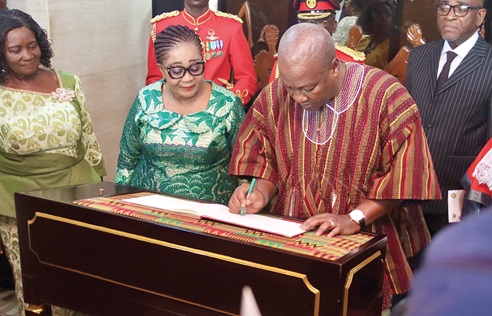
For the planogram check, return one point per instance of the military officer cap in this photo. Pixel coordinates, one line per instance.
(311, 10)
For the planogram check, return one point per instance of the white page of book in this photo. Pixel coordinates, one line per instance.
(221, 213)
(176, 204)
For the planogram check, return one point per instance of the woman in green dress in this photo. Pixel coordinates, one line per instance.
(46, 134)
(179, 134)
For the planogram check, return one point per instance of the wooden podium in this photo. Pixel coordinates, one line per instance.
(104, 262)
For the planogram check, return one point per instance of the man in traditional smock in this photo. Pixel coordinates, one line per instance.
(340, 145)
(225, 48)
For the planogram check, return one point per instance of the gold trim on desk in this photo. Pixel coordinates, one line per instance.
(350, 277)
(209, 254)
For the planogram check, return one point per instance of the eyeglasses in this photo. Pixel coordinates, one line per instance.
(460, 10)
(178, 72)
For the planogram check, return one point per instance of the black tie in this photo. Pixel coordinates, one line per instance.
(443, 76)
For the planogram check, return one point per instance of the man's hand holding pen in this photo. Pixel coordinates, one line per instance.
(260, 195)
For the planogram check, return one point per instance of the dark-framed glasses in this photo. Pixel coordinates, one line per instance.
(460, 10)
(178, 72)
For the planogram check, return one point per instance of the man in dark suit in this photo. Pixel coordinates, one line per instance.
(455, 99)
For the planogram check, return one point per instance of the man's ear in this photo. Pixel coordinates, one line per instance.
(335, 66)
(481, 17)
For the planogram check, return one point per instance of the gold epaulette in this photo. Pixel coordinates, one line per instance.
(157, 19)
(228, 15)
(358, 56)
(164, 15)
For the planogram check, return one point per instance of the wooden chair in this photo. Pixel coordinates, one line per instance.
(245, 14)
(398, 65)
(355, 34)
(264, 60)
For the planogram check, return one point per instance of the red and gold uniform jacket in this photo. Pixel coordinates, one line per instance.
(225, 48)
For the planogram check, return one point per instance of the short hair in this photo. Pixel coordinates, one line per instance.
(13, 19)
(306, 42)
(170, 37)
(483, 3)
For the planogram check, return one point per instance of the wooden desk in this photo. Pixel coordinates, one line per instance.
(103, 263)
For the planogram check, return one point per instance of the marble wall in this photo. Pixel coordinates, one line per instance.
(104, 42)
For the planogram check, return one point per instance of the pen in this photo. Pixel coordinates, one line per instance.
(251, 187)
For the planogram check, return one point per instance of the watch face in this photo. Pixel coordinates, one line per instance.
(357, 215)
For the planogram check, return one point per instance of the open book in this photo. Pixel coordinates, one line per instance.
(220, 213)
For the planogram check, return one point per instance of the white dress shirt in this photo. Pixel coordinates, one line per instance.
(461, 51)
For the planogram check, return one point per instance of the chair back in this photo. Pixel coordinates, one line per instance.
(398, 65)
(355, 34)
(264, 60)
(245, 14)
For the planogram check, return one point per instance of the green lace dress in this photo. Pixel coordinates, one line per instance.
(185, 155)
(46, 140)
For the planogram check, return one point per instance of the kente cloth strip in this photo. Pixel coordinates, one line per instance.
(306, 244)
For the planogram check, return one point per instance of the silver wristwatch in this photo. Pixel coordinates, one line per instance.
(358, 217)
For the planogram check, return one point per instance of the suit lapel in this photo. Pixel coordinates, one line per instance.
(470, 63)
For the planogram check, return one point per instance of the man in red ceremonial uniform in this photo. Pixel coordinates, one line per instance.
(225, 47)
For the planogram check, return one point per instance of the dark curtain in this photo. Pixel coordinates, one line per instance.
(160, 6)
(222, 6)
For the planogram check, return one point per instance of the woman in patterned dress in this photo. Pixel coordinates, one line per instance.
(46, 134)
(179, 134)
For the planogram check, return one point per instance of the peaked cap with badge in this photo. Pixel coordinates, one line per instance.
(309, 10)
